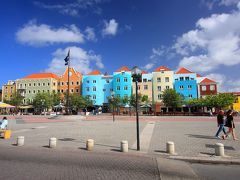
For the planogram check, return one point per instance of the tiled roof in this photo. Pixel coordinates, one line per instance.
(41, 75)
(124, 68)
(183, 71)
(144, 72)
(207, 81)
(95, 72)
(162, 68)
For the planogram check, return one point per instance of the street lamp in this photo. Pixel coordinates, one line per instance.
(112, 99)
(137, 77)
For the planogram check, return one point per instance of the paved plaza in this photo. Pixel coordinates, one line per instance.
(193, 136)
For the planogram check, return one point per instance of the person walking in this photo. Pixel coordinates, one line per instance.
(231, 126)
(221, 123)
(4, 123)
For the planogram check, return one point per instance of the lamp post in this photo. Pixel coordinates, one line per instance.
(42, 103)
(112, 99)
(137, 77)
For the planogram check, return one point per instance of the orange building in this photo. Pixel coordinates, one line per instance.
(8, 90)
(75, 79)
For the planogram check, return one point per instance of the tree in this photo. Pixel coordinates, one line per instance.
(56, 98)
(77, 102)
(133, 99)
(145, 99)
(42, 101)
(220, 101)
(114, 101)
(16, 100)
(171, 98)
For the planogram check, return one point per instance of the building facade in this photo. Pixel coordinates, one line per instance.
(185, 83)
(162, 79)
(75, 80)
(207, 87)
(8, 90)
(144, 87)
(122, 82)
(30, 85)
(236, 104)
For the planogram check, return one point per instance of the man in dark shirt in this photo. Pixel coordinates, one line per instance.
(221, 123)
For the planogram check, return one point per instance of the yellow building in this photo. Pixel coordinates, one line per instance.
(236, 105)
(8, 90)
(162, 79)
(144, 87)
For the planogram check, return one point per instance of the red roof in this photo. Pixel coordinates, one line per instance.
(198, 75)
(144, 72)
(183, 71)
(162, 68)
(95, 72)
(41, 75)
(124, 68)
(207, 81)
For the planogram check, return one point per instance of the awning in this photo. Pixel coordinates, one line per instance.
(5, 105)
(26, 107)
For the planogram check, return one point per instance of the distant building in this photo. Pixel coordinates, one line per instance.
(32, 84)
(144, 87)
(185, 83)
(162, 79)
(0, 94)
(236, 104)
(207, 87)
(122, 82)
(8, 90)
(75, 80)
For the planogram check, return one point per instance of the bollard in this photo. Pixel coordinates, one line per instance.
(20, 140)
(170, 147)
(52, 142)
(124, 146)
(219, 149)
(90, 144)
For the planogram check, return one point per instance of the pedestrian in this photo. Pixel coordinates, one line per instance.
(221, 123)
(3, 123)
(231, 126)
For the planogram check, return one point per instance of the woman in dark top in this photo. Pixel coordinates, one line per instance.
(220, 121)
(230, 124)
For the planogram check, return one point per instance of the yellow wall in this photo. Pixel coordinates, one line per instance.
(142, 90)
(236, 106)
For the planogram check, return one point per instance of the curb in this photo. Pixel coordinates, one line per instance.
(214, 160)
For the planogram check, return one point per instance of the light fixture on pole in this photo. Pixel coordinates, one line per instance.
(137, 77)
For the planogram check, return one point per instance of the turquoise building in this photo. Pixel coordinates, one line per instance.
(185, 83)
(122, 82)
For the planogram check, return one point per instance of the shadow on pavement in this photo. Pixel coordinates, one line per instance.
(200, 136)
(225, 147)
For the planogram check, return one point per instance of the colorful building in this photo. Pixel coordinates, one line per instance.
(236, 105)
(185, 83)
(75, 79)
(206, 87)
(32, 84)
(162, 79)
(144, 87)
(8, 90)
(107, 81)
(92, 86)
(122, 82)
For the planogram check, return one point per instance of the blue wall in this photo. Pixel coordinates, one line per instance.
(108, 87)
(185, 83)
(122, 84)
(87, 82)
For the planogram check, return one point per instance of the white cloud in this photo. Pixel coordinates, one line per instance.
(211, 3)
(214, 42)
(34, 34)
(228, 2)
(80, 59)
(110, 28)
(90, 34)
(148, 66)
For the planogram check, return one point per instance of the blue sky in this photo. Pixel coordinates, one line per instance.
(201, 35)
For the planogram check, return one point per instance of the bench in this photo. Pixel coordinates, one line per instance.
(5, 134)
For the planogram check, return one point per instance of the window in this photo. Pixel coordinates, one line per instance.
(20, 85)
(187, 78)
(59, 90)
(139, 87)
(190, 95)
(77, 83)
(34, 91)
(77, 90)
(62, 83)
(87, 81)
(48, 84)
(190, 87)
(118, 79)
(59, 83)
(181, 87)
(72, 83)
(111, 89)
(43, 91)
(94, 88)
(25, 85)
(87, 88)
(118, 95)
(167, 87)
(118, 88)
(145, 87)
(48, 91)
(125, 79)
(166, 79)
(125, 88)
(39, 84)
(144, 80)
(181, 78)
(29, 92)
(125, 96)
(38, 91)
(54, 84)
(34, 84)
(107, 80)
(158, 79)
(72, 90)
(212, 87)
(94, 81)
(29, 84)
(159, 96)
(159, 88)
(204, 88)
(62, 90)
(66, 83)
(94, 96)
(43, 84)
(104, 90)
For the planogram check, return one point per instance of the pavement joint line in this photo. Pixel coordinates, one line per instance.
(145, 137)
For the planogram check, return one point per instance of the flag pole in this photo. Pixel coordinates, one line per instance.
(68, 85)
